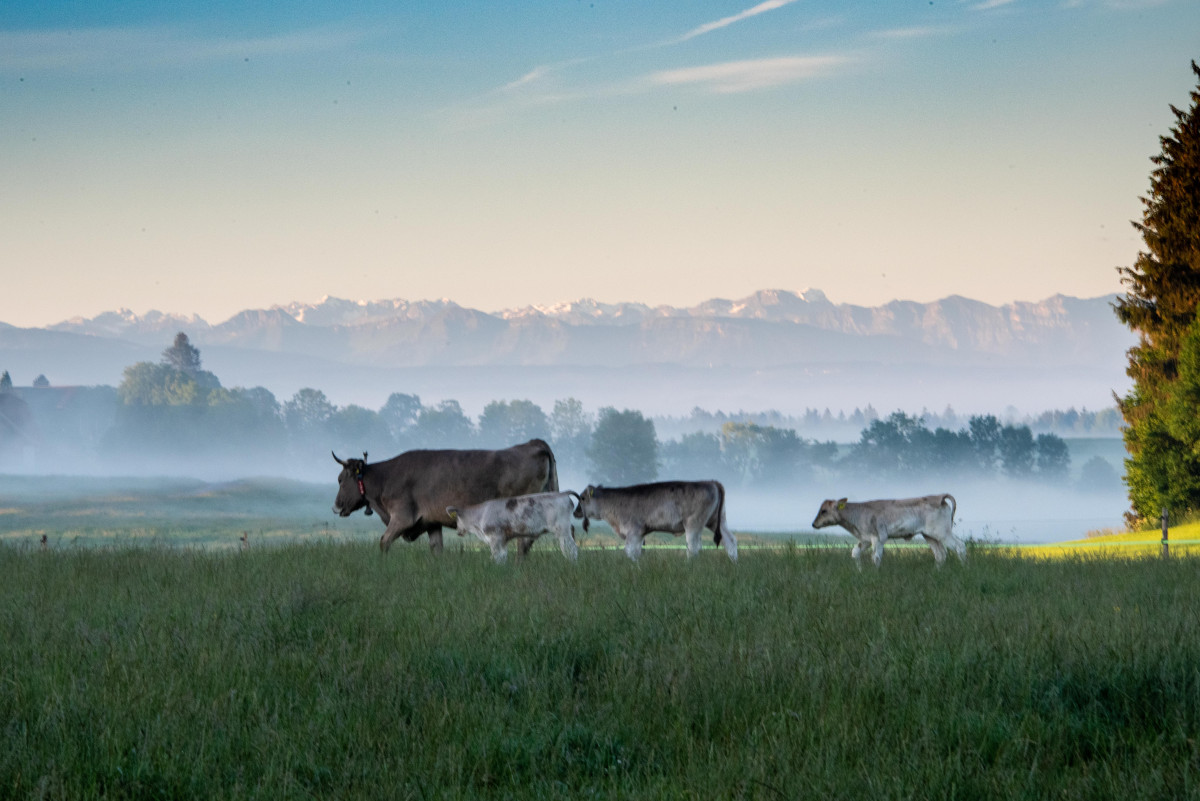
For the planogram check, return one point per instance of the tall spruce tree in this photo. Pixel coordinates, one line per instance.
(1161, 302)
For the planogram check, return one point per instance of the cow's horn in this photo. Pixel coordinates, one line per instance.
(336, 459)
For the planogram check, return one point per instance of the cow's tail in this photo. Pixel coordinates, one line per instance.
(720, 514)
(721, 533)
(953, 505)
(552, 479)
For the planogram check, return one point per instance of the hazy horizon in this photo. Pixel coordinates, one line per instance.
(286, 305)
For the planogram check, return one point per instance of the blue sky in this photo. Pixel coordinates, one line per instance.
(209, 157)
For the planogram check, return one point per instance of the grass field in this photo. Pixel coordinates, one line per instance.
(322, 670)
(145, 654)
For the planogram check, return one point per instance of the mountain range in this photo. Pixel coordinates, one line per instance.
(773, 349)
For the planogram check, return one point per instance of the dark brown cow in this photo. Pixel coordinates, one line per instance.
(410, 492)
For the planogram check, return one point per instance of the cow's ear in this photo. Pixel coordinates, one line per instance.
(589, 491)
(450, 510)
(841, 504)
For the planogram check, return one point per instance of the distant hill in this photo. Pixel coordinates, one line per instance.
(773, 349)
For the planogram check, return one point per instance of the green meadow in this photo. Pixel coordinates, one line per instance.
(322, 670)
(146, 653)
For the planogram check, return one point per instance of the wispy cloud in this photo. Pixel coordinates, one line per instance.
(910, 33)
(725, 22)
(1117, 5)
(141, 48)
(743, 76)
(535, 75)
(990, 4)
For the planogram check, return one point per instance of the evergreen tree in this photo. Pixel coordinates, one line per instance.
(5, 382)
(182, 355)
(1017, 452)
(1053, 458)
(1163, 294)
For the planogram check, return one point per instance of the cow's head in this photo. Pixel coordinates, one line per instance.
(351, 493)
(587, 507)
(830, 513)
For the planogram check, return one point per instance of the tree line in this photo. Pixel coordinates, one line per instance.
(826, 423)
(175, 409)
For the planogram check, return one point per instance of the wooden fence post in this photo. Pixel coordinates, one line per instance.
(1166, 550)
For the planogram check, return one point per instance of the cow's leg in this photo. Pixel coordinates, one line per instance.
(692, 534)
(939, 550)
(398, 527)
(435, 539)
(856, 553)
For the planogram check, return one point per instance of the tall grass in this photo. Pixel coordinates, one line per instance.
(323, 671)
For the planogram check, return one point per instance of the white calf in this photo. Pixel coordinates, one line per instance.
(524, 518)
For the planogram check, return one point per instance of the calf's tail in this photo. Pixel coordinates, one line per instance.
(575, 495)
(953, 505)
(721, 533)
(721, 529)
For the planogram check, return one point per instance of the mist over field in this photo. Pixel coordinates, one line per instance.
(269, 394)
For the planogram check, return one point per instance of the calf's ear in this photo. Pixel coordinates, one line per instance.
(450, 510)
(841, 504)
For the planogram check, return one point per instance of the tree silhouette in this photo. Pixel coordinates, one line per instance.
(182, 355)
(624, 448)
(1160, 305)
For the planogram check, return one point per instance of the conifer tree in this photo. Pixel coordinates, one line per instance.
(182, 355)
(1162, 298)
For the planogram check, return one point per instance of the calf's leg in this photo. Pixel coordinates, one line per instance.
(524, 544)
(939, 551)
(633, 545)
(499, 548)
(877, 557)
(566, 542)
(960, 548)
